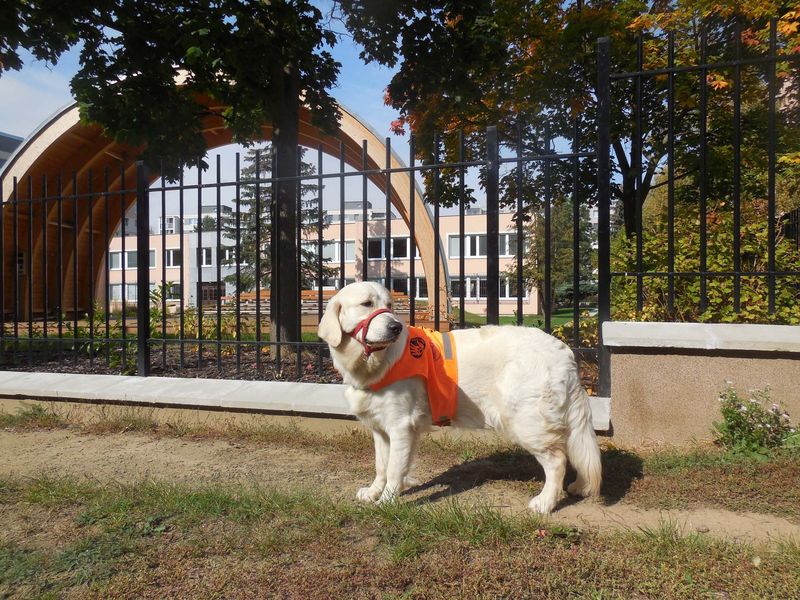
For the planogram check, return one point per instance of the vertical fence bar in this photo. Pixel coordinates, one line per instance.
(60, 274)
(604, 210)
(165, 287)
(200, 256)
(492, 227)
(737, 171)
(637, 166)
(388, 203)
(462, 288)
(703, 167)
(342, 242)
(238, 253)
(273, 252)
(30, 271)
(671, 174)
(106, 267)
(412, 297)
(124, 267)
(142, 270)
(75, 266)
(548, 239)
(437, 284)
(15, 279)
(3, 256)
(45, 287)
(576, 235)
(520, 230)
(220, 256)
(299, 261)
(276, 254)
(771, 154)
(320, 225)
(90, 262)
(181, 271)
(364, 229)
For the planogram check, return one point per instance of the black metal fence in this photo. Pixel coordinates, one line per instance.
(203, 252)
(689, 145)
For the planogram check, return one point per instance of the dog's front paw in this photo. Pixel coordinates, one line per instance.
(543, 505)
(368, 494)
(388, 496)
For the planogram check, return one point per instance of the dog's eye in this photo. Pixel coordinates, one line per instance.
(367, 303)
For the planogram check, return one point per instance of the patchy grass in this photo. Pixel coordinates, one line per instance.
(163, 540)
(34, 416)
(665, 479)
(711, 477)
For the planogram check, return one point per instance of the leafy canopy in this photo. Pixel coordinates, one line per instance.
(153, 72)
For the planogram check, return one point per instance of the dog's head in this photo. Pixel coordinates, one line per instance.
(361, 310)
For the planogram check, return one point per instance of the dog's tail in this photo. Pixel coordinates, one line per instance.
(582, 448)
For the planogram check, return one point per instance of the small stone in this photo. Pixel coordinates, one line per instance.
(756, 561)
(702, 529)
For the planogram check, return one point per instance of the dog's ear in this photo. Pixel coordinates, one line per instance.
(330, 330)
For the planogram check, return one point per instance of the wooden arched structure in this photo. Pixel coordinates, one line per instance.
(84, 158)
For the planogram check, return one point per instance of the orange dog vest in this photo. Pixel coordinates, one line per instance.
(431, 355)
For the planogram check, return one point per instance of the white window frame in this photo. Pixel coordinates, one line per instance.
(169, 254)
(127, 266)
(504, 245)
(202, 257)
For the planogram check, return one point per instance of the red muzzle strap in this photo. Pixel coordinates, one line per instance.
(363, 328)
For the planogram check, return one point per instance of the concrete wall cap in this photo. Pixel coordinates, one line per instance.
(703, 336)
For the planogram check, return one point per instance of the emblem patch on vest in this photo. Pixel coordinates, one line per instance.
(417, 347)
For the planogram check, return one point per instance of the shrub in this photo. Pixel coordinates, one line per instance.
(752, 426)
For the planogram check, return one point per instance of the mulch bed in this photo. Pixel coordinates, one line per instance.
(314, 366)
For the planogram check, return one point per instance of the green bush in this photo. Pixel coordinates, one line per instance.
(754, 255)
(753, 426)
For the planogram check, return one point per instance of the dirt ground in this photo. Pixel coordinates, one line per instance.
(131, 457)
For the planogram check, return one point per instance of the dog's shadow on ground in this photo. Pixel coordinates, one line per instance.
(620, 470)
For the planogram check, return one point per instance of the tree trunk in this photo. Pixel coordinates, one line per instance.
(284, 294)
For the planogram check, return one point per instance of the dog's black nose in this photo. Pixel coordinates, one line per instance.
(395, 327)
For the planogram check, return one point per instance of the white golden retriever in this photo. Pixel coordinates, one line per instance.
(515, 380)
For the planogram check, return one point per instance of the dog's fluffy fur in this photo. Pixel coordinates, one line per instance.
(515, 380)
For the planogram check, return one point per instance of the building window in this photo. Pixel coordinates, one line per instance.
(422, 288)
(172, 257)
(167, 225)
(375, 248)
(400, 285)
(350, 251)
(228, 255)
(476, 245)
(205, 257)
(400, 248)
(131, 260)
(173, 291)
(115, 292)
(454, 246)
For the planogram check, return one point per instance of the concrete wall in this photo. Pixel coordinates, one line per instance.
(666, 377)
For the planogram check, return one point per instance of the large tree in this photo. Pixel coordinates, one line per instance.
(532, 64)
(152, 71)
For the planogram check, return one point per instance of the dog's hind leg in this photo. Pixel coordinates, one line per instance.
(554, 463)
(403, 443)
(374, 491)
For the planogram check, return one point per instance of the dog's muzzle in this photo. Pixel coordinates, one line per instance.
(359, 334)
